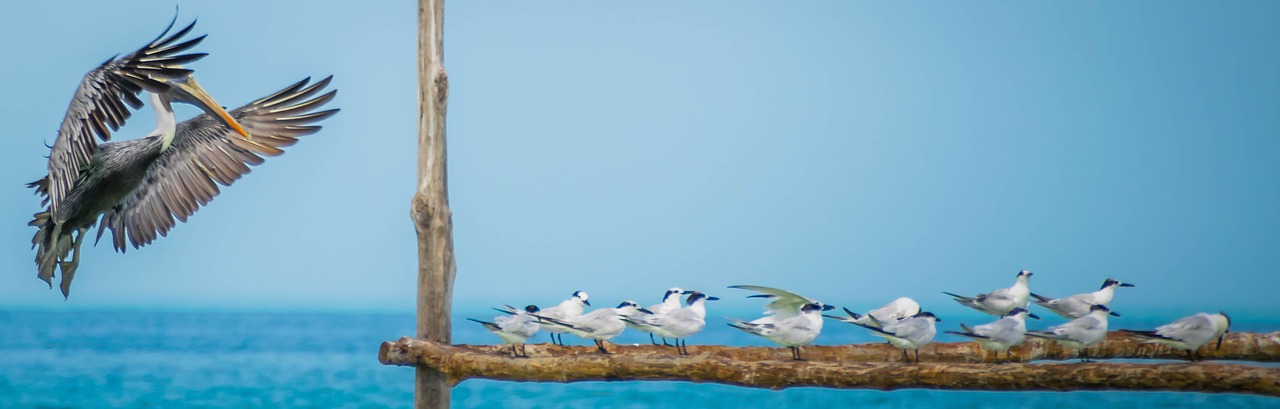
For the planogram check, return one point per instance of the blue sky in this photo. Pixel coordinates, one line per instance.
(851, 151)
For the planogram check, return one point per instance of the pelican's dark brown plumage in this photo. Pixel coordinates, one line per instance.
(138, 187)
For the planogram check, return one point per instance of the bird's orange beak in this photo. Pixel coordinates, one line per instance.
(189, 91)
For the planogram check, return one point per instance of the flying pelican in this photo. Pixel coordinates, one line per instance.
(139, 186)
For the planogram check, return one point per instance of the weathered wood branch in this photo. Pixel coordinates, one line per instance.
(862, 366)
(432, 218)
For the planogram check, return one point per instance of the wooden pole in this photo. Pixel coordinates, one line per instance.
(430, 208)
(953, 366)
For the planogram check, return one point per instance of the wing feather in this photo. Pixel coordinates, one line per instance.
(105, 100)
(206, 153)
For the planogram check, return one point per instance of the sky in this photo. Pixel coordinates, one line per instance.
(853, 152)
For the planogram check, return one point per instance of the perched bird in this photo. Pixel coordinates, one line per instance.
(791, 332)
(1000, 302)
(150, 180)
(1189, 333)
(1001, 334)
(907, 333)
(1079, 333)
(670, 301)
(600, 325)
(567, 309)
(515, 328)
(679, 323)
(784, 304)
(1077, 306)
(900, 308)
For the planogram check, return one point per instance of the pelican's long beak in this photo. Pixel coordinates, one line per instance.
(190, 91)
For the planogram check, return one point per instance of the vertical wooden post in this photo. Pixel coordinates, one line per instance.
(430, 208)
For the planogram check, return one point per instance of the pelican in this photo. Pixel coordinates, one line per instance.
(140, 186)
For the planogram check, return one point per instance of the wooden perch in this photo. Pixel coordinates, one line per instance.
(862, 366)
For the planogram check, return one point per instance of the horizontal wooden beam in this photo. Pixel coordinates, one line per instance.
(957, 366)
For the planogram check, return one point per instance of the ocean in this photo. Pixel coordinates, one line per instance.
(135, 359)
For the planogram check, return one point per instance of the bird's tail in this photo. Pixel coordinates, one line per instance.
(552, 322)
(1043, 334)
(876, 330)
(960, 298)
(488, 325)
(969, 335)
(1149, 336)
(747, 327)
(53, 245)
(1040, 298)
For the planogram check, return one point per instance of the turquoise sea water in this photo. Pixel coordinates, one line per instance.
(247, 360)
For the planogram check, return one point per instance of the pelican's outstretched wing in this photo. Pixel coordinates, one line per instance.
(105, 99)
(204, 151)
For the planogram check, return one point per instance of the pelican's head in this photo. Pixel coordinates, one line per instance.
(187, 90)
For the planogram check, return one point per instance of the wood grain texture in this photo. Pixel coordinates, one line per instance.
(429, 209)
(956, 366)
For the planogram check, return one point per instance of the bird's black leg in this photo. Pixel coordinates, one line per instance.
(651, 339)
(917, 354)
(684, 346)
(904, 357)
(1084, 353)
(1190, 358)
(664, 341)
(600, 346)
(523, 352)
(513, 351)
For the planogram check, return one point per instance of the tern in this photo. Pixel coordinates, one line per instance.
(1079, 333)
(1189, 333)
(999, 302)
(600, 325)
(1077, 306)
(908, 333)
(679, 323)
(567, 309)
(670, 301)
(515, 328)
(900, 308)
(792, 332)
(1001, 334)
